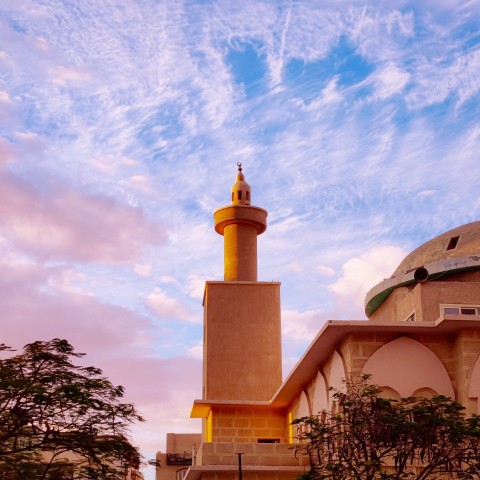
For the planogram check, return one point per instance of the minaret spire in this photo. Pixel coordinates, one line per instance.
(240, 223)
(240, 189)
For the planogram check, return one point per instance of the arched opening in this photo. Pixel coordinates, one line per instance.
(405, 365)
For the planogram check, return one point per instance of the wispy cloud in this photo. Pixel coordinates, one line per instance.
(120, 129)
(54, 223)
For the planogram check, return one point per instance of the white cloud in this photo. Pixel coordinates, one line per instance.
(63, 75)
(439, 77)
(168, 279)
(330, 95)
(196, 351)
(66, 280)
(325, 271)
(301, 326)
(168, 307)
(140, 182)
(142, 269)
(360, 274)
(427, 193)
(196, 286)
(42, 44)
(389, 81)
(4, 97)
(296, 268)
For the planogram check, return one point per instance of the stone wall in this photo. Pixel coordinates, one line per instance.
(249, 424)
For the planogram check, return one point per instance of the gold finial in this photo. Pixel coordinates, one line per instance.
(239, 165)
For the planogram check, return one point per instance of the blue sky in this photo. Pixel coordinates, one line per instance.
(121, 123)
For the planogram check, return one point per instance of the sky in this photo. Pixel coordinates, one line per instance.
(121, 124)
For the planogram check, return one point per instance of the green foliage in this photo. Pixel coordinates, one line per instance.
(373, 438)
(59, 420)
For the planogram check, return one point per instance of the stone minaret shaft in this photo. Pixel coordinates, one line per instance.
(240, 223)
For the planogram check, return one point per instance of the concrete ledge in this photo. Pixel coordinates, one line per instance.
(196, 473)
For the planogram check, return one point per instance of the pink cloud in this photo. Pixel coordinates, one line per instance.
(29, 143)
(152, 381)
(31, 311)
(8, 111)
(161, 388)
(66, 75)
(63, 223)
(168, 307)
(7, 153)
(301, 326)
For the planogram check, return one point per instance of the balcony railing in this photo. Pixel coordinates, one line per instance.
(179, 458)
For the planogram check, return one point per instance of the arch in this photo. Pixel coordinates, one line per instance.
(336, 379)
(320, 395)
(406, 365)
(424, 392)
(474, 383)
(303, 406)
(302, 410)
(389, 393)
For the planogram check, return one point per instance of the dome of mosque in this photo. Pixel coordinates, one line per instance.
(455, 251)
(462, 241)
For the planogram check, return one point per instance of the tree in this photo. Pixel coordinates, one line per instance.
(59, 420)
(370, 437)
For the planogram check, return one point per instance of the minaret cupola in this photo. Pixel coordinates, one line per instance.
(240, 189)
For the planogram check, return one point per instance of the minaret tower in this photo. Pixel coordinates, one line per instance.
(240, 223)
(242, 344)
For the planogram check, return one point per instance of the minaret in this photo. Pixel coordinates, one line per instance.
(242, 357)
(240, 223)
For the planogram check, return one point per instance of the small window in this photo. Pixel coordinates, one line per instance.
(239, 194)
(451, 310)
(268, 440)
(233, 195)
(460, 310)
(181, 474)
(410, 318)
(248, 195)
(452, 243)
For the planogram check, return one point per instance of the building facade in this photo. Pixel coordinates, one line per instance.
(422, 338)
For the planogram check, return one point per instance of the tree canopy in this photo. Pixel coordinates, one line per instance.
(59, 420)
(373, 438)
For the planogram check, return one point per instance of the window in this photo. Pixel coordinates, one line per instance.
(460, 309)
(452, 243)
(239, 194)
(451, 310)
(268, 440)
(410, 318)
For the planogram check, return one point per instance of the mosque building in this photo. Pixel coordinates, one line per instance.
(422, 338)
